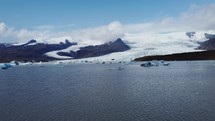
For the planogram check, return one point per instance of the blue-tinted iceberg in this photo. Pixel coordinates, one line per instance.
(147, 64)
(5, 66)
(155, 63)
(14, 63)
(8, 65)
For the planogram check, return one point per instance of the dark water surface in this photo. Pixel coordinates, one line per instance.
(183, 91)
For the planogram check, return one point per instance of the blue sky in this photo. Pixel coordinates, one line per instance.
(89, 13)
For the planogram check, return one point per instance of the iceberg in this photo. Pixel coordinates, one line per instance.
(166, 64)
(14, 63)
(8, 65)
(147, 64)
(155, 63)
(120, 68)
(5, 66)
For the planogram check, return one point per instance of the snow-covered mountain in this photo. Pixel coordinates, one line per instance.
(131, 46)
(30, 51)
(97, 50)
(144, 44)
(34, 51)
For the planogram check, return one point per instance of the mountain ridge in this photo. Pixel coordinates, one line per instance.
(33, 51)
(97, 50)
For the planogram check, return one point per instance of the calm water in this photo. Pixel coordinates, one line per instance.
(183, 91)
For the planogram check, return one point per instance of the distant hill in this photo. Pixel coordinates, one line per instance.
(207, 45)
(203, 55)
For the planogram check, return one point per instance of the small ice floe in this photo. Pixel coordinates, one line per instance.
(8, 65)
(40, 64)
(5, 66)
(14, 63)
(120, 68)
(146, 64)
(123, 65)
(154, 63)
(59, 63)
(166, 64)
(196, 93)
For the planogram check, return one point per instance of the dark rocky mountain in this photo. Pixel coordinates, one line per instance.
(30, 42)
(207, 45)
(98, 50)
(26, 52)
(33, 51)
(190, 34)
(4, 45)
(209, 36)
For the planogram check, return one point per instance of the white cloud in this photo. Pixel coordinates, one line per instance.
(197, 18)
(99, 35)
(25, 35)
(4, 30)
(9, 34)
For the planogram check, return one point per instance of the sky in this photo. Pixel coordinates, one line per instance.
(21, 20)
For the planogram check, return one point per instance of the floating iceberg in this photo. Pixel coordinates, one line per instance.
(14, 63)
(147, 64)
(166, 64)
(8, 65)
(120, 68)
(155, 63)
(5, 66)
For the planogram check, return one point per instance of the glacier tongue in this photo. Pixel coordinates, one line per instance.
(143, 44)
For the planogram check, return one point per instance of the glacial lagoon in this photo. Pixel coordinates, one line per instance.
(182, 91)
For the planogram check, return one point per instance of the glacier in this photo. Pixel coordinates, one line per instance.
(144, 44)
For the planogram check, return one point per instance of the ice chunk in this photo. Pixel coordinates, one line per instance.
(5, 66)
(14, 63)
(120, 68)
(147, 64)
(166, 64)
(155, 63)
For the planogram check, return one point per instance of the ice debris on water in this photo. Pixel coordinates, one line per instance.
(120, 68)
(146, 64)
(14, 63)
(5, 66)
(8, 65)
(154, 63)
